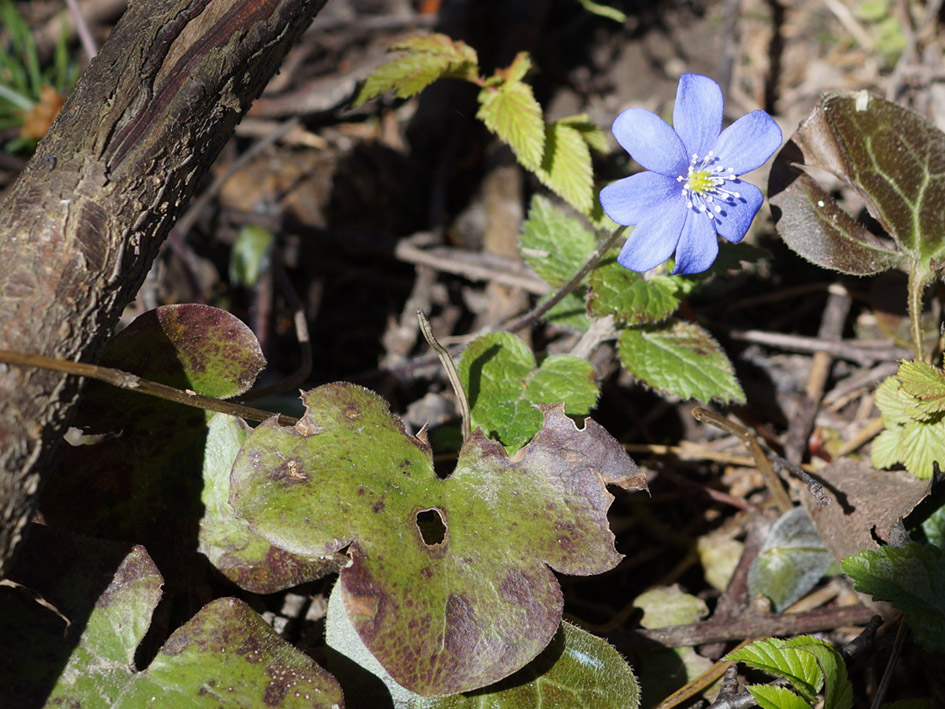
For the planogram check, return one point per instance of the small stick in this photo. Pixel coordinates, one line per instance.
(813, 487)
(132, 382)
(778, 495)
(451, 372)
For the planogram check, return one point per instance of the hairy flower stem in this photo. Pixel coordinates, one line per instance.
(918, 279)
(533, 315)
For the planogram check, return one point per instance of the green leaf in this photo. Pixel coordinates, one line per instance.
(926, 385)
(576, 670)
(838, 692)
(783, 658)
(566, 165)
(911, 405)
(679, 359)
(499, 374)
(553, 244)
(250, 255)
(226, 655)
(630, 297)
(892, 156)
(611, 13)
(510, 110)
(771, 697)
(243, 556)
(570, 312)
(791, 562)
(911, 579)
(590, 131)
(427, 58)
(450, 583)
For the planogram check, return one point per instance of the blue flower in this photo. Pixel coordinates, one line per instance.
(692, 189)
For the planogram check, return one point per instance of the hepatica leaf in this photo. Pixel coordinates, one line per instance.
(469, 597)
(577, 670)
(499, 374)
(243, 556)
(555, 245)
(143, 483)
(226, 655)
(894, 159)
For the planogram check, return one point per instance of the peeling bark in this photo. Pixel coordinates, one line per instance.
(83, 222)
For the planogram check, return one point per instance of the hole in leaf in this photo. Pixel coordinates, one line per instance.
(432, 527)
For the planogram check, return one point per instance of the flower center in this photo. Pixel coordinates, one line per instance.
(704, 185)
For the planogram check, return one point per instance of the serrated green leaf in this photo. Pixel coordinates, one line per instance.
(771, 697)
(838, 692)
(590, 131)
(921, 444)
(553, 244)
(925, 384)
(779, 658)
(791, 562)
(892, 402)
(570, 312)
(885, 451)
(510, 111)
(566, 167)
(499, 374)
(427, 59)
(630, 297)
(444, 610)
(577, 670)
(679, 359)
(517, 70)
(934, 528)
(910, 578)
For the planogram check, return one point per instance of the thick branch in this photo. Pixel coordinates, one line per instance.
(82, 223)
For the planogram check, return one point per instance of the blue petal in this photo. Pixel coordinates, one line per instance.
(697, 116)
(654, 239)
(735, 218)
(628, 200)
(748, 142)
(651, 142)
(698, 245)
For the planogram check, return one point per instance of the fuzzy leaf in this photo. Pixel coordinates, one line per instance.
(427, 59)
(778, 657)
(575, 671)
(791, 562)
(510, 110)
(249, 256)
(243, 556)
(503, 384)
(911, 579)
(555, 245)
(566, 165)
(570, 312)
(468, 597)
(680, 359)
(630, 297)
(892, 156)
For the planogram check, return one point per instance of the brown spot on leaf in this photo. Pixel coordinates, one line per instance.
(305, 427)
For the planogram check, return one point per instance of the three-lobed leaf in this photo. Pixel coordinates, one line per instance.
(448, 612)
(426, 58)
(503, 384)
(679, 359)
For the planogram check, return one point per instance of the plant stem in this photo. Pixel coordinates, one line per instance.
(538, 311)
(918, 278)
